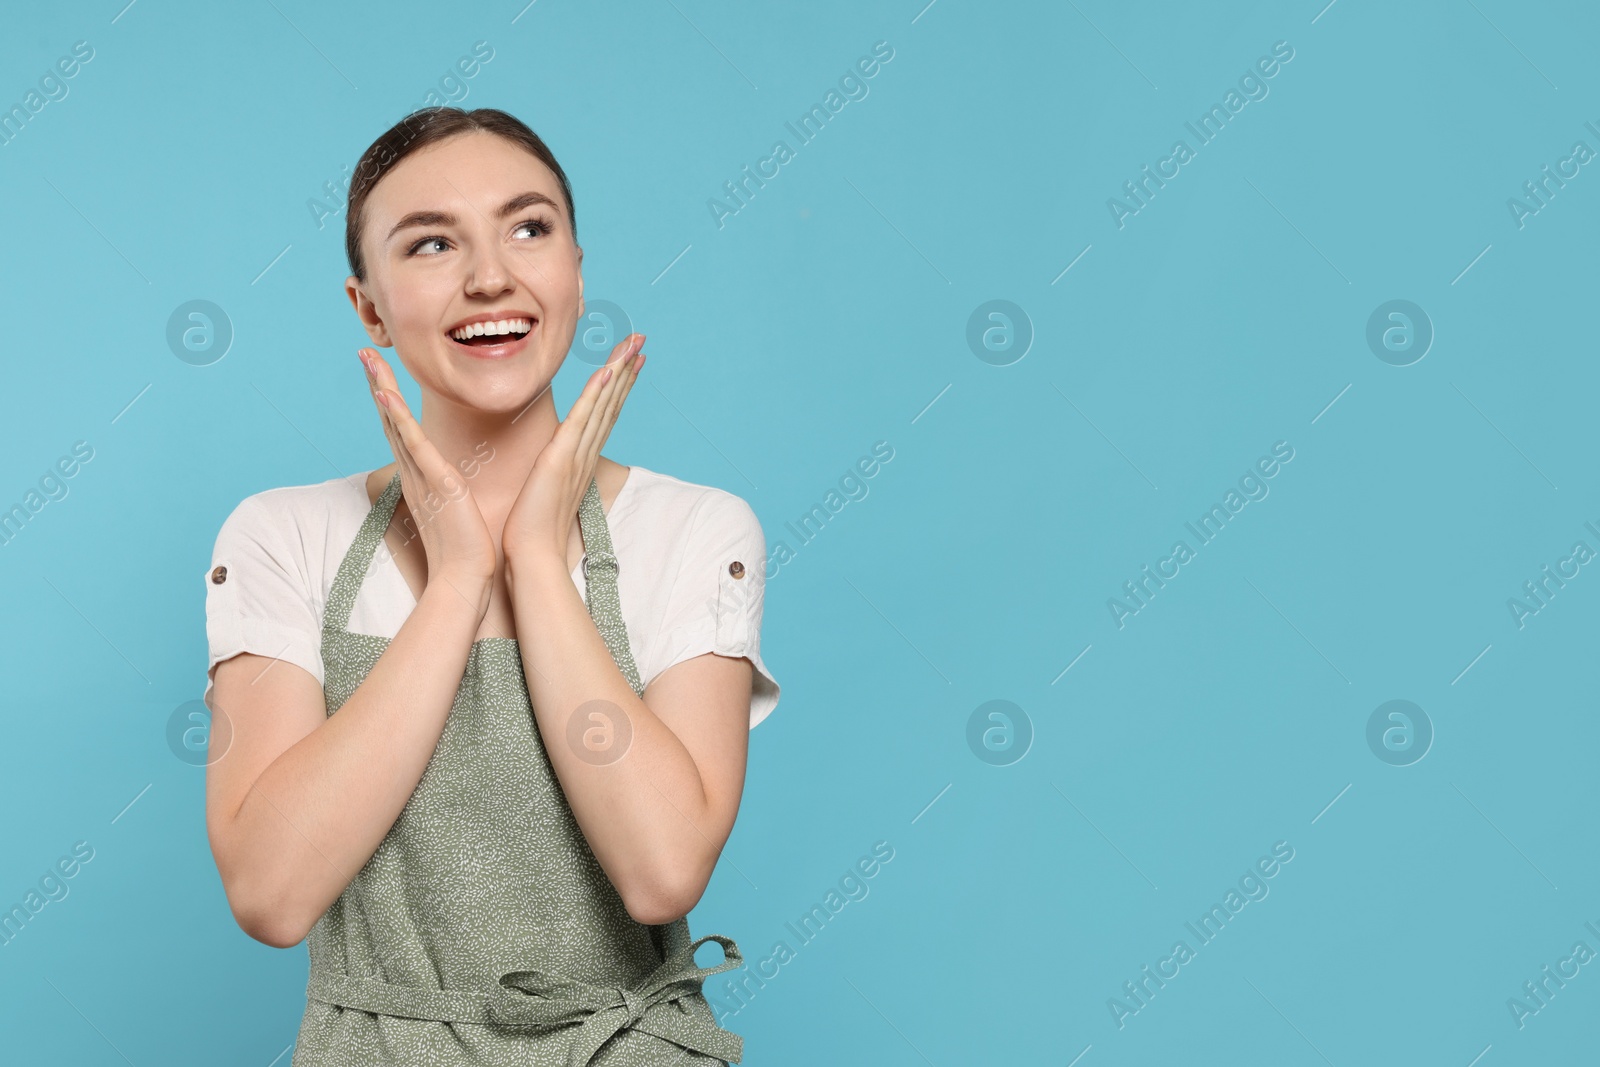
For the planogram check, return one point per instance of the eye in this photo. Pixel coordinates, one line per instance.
(426, 240)
(543, 226)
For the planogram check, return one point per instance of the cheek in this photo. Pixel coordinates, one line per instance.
(417, 304)
(554, 283)
(553, 276)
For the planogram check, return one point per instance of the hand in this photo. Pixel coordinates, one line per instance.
(454, 536)
(540, 521)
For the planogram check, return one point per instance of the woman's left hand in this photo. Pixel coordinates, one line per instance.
(540, 521)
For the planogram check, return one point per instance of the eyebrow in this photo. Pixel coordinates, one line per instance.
(445, 218)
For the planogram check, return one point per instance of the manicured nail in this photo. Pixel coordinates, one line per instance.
(606, 377)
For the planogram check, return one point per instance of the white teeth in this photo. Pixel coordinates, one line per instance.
(503, 326)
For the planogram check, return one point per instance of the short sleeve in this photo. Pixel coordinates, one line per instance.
(257, 592)
(717, 596)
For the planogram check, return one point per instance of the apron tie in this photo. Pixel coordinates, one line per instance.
(546, 1001)
(635, 1004)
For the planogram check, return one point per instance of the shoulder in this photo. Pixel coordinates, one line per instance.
(296, 514)
(675, 510)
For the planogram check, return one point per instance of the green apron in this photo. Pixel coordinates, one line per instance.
(483, 930)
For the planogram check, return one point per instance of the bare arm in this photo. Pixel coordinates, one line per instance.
(657, 814)
(301, 800)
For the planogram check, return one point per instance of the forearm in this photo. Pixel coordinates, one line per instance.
(641, 813)
(318, 813)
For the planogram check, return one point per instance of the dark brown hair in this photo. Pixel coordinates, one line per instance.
(419, 129)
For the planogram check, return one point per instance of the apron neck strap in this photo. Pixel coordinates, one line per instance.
(357, 561)
(600, 582)
(599, 572)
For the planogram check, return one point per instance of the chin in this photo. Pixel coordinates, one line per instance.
(508, 397)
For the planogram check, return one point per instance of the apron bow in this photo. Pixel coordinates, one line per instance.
(547, 1001)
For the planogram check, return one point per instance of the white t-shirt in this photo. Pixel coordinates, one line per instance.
(674, 542)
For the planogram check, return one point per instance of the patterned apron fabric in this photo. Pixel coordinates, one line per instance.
(483, 930)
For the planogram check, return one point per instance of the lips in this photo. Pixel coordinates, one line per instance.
(493, 346)
(500, 349)
(492, 316)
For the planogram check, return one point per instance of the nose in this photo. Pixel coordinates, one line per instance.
(487, 271)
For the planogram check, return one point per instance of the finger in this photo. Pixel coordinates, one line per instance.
(415, 483)
(605, 407)
(621, 353)
(383, 372)
(409, 477)
(597, 385)
(602, 412)
(412, 483)
(381, 395)
(628, 381)
(594, 434)
(598, 429)
(397, 404)
(396, 408)
(622, 380)
(420, 484)
(437, 474)
(573, 440)
(381, 407)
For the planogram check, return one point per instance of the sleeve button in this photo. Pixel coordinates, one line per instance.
(219, 575)
(736, 569)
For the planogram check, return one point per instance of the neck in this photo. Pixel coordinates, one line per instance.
(491, 451)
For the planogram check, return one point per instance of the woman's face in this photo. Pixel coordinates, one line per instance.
(472, 227)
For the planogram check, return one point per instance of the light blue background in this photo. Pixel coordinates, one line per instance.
(831, 313)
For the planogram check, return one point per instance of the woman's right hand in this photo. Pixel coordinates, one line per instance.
(454, 536)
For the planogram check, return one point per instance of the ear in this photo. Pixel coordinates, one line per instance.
(580, 283)
(367, 312)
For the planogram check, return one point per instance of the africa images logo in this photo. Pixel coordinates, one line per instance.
(852, 84)
(1207, 128)
(1252, 886)
(1253, 486)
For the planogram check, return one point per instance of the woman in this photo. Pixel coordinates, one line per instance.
(488, 704)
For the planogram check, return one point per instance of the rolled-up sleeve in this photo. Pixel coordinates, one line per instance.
(257, 597)
(717, 596)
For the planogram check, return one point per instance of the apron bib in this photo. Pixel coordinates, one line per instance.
(483, 930)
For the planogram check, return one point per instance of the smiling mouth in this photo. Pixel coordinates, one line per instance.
(488, 335)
